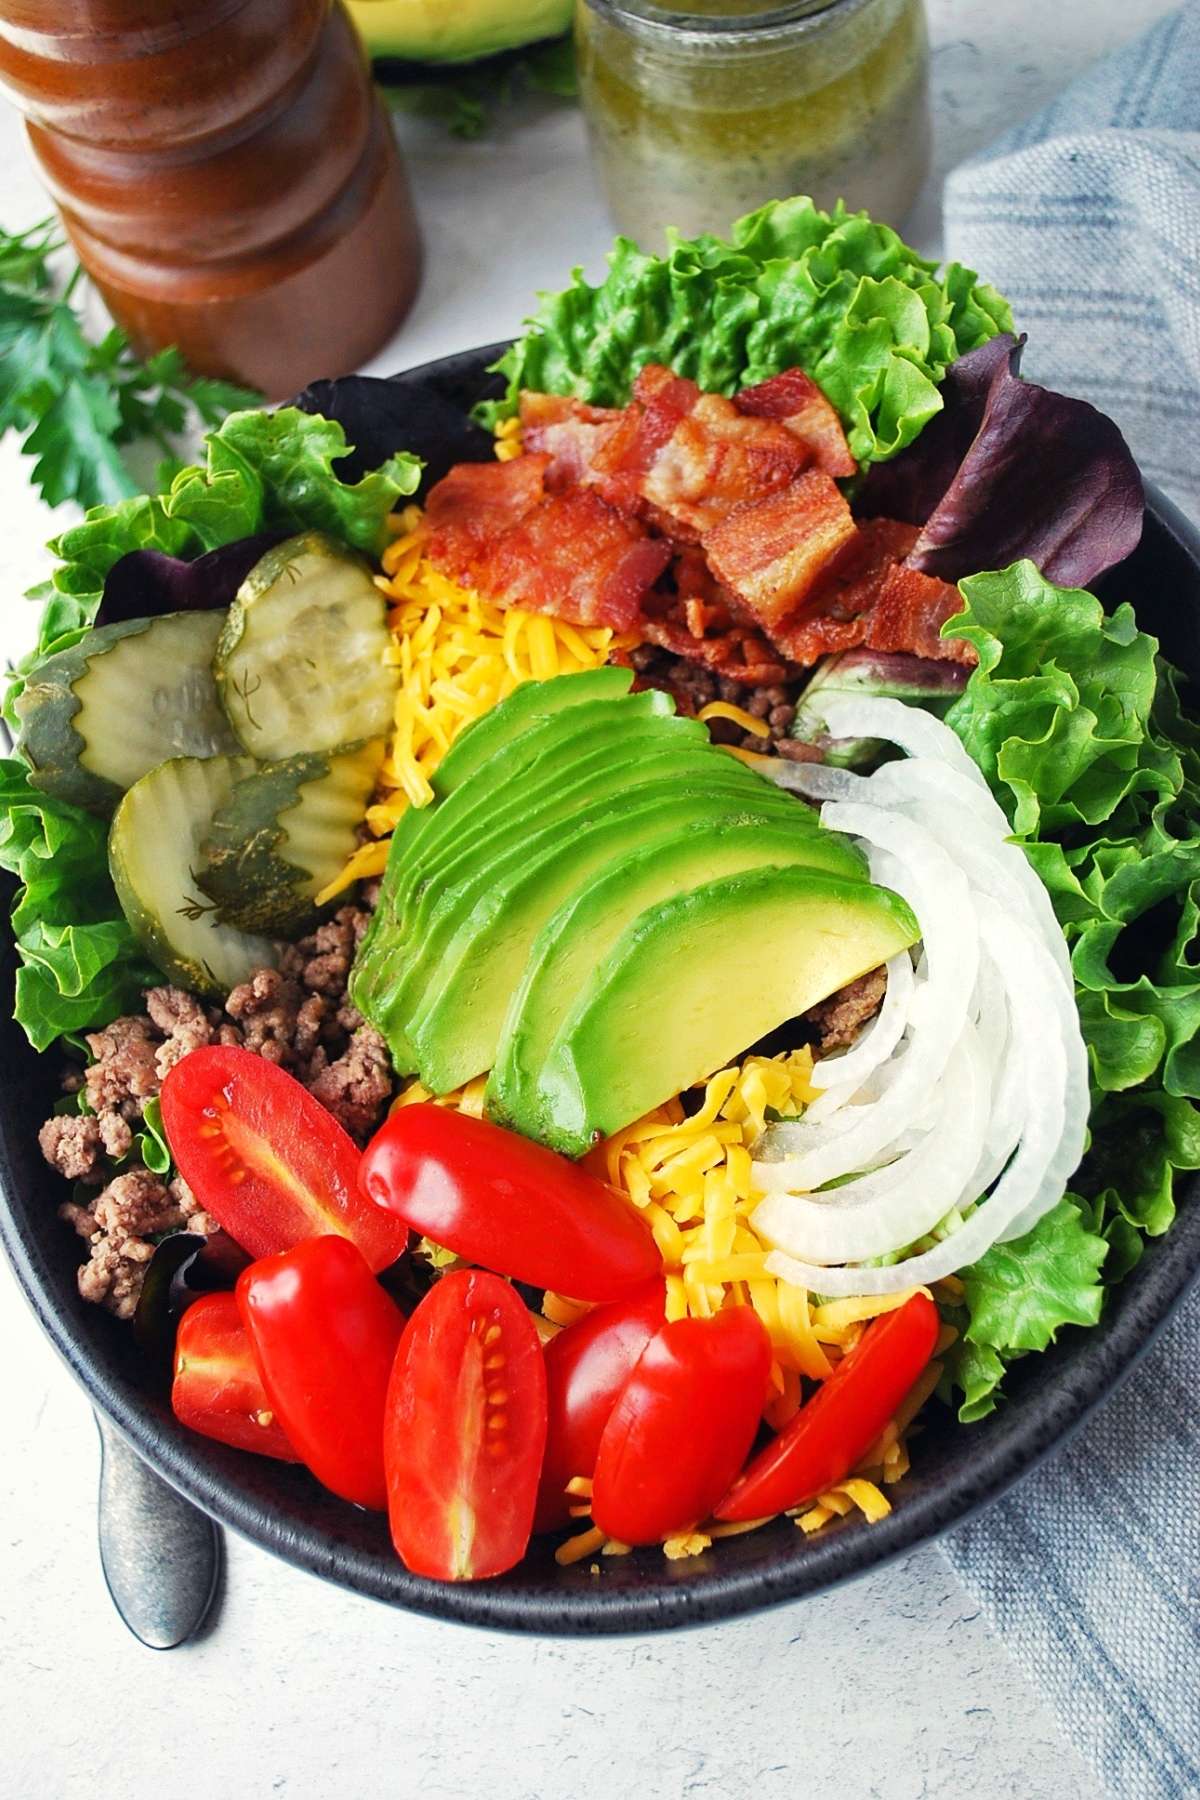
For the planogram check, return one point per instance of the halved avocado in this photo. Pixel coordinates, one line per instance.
(696, 979)
(584, 930)
(457, 1034)
(436, 32)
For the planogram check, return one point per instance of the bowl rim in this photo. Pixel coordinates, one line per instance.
(1019, 1439)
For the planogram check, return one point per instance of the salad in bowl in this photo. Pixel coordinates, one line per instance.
(612, 957)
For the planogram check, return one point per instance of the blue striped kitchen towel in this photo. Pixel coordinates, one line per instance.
(1088, 217)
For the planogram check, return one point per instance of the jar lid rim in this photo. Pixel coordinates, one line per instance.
(654, 20)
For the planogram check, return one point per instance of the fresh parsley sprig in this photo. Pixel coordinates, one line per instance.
(79, 400)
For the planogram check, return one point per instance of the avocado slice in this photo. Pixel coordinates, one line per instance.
(517, 771)
(623, 760)
(697, 978)
(392, 972)
(511, 758)
(416, 883)
(488, 936)
(530, 704)
(591, 921)
(395, 979)
(502, 803)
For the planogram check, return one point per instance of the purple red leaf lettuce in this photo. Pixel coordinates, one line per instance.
(1010, 471)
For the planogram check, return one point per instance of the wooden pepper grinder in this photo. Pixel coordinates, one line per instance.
(226, 173)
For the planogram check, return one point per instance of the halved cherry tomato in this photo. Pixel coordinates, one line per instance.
(682, 1425)
(587, 1365)
(465, 1430)
(217, 1388)
(266, 1159)
(820, 1445)
(512, 1206)
(324, 1336)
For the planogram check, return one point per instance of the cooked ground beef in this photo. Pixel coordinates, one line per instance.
(693, 686)
(119, 1226)
(838, 1020)
(297, 1016)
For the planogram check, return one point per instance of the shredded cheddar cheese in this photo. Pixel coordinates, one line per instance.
(508, 439)
(457, 655)
(724, 709)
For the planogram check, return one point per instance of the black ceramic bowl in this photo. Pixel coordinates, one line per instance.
(956, 1469)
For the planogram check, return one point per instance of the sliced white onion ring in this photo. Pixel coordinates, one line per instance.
(970, 1088)
(900, 1202)
(910, 728)
(938, 893)
(848, 1069)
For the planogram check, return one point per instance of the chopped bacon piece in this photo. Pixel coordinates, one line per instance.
(739, 652)
(703, 623)
(494, 528)
(909, 615)
(569, 432)
(882, 604)
(795, 400)
(471, 506)
(576, 558)
(772, 553)
(684, 459)
(854, 584)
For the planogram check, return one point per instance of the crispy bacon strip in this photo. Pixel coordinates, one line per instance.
(772, 553)
(684, 459)
(471, 506)
(574, 557)
(795, 400)
(569, 432)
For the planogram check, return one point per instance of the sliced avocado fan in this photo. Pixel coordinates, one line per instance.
(601, 907)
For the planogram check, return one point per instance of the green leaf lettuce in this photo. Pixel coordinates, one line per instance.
(262, 470)
(80, 964)
(845, 299)
(1078, 726)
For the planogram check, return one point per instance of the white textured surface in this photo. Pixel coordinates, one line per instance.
(889, 1687)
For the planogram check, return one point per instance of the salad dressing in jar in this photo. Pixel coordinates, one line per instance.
(702, 110)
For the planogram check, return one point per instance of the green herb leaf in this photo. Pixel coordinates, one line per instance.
(465, 97)
(77, 400)
(151, 1144)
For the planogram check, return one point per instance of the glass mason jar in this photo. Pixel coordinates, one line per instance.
(701, 110)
